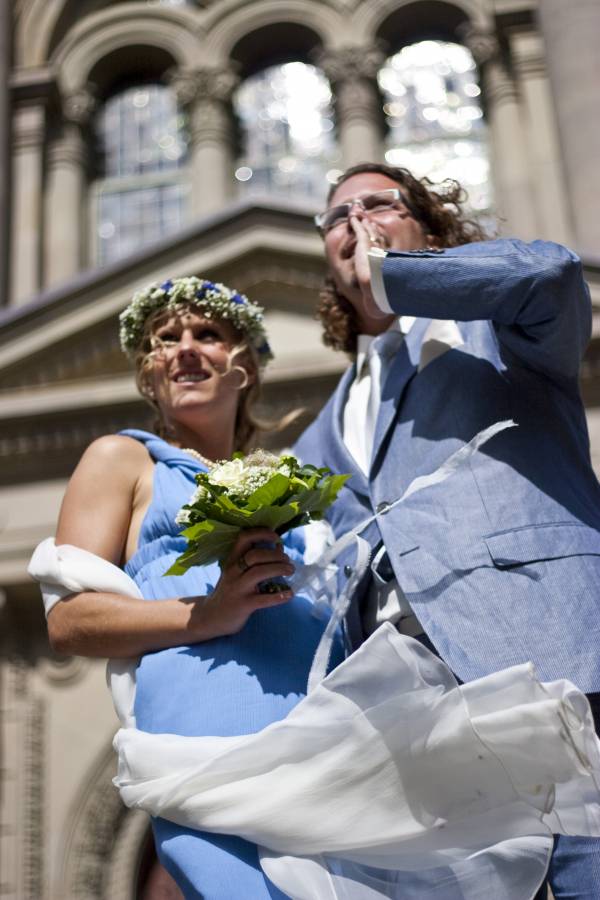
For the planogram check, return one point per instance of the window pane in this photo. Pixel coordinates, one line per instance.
(286, 116)
(436, 125)
(143, 143)
(141, 130)
(131, 218)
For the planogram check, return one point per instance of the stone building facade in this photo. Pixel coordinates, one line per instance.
(63, 832)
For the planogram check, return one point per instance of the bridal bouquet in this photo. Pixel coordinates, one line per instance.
(258, 490)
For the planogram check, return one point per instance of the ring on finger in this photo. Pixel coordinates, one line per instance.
(242, 564)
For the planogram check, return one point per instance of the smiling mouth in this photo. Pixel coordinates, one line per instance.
(190, 377)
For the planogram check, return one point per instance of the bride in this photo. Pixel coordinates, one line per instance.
(387, 780)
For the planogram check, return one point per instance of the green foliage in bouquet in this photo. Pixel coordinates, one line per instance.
(257, 491)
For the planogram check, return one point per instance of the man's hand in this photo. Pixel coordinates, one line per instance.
(367, 237)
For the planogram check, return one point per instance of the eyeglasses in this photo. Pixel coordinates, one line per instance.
(379, 202)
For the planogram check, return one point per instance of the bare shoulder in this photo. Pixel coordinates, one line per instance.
(103, 494)
(114, 456)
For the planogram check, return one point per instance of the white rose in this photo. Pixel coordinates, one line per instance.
(228, 474)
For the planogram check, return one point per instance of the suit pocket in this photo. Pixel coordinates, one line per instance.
(533, 543)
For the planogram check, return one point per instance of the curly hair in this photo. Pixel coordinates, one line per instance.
(441, 214)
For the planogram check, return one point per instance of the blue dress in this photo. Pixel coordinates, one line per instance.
(226, 686)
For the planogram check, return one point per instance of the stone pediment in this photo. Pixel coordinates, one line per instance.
(64, 381)
(71, 332)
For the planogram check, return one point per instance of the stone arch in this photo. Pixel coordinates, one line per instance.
(102, 848)
(44, 26)
(396, 24)
(118, 29)
(299, 18)
(273, 44)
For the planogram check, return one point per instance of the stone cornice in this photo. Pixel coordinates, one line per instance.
(33, 85)
(241, 226)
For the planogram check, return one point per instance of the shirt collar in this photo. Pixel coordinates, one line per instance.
(403, 324)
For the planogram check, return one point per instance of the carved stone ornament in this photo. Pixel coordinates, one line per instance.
(79, 106)
(216, 85)
(483, 44)
(64, 671)
(350, 63)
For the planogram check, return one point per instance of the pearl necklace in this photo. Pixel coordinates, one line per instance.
(209, 463)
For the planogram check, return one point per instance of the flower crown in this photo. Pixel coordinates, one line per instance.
(213, 299)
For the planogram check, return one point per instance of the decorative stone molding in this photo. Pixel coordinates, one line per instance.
(64, 672)
(350, 64)
(208, 85)
(352, 72)
(29, 125)
(102, 852)
(79, 106)
(34, 805)
(206, 95)
(484, 45)
(528, 53)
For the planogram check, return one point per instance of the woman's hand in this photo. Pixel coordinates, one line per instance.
(367, 237)
(237, 594)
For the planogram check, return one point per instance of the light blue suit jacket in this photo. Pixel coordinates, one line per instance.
(501, 562)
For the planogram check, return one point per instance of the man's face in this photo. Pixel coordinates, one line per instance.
(395, 227)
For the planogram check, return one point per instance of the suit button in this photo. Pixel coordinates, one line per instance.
(382, 507)
(348, 570)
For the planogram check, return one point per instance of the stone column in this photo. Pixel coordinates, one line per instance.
(29, 125)
(553, 214)
(67, 165)
(5, 57)
(510, 160)
(352, 73)
(570, 32)
(206, 95)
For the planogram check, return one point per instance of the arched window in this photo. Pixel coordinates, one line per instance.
(436, 125)
(286, 117)
(140, 193)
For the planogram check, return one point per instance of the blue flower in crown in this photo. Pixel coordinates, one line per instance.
(212, 298)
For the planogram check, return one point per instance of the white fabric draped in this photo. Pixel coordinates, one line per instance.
(451, 792)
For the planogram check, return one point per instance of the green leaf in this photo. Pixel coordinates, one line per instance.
(269, 493)
(209, 542)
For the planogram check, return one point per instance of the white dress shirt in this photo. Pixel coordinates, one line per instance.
(386, 601)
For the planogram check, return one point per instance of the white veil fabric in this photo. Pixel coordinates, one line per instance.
(388, 782)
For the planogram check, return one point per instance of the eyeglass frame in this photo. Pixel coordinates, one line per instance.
(398, 195)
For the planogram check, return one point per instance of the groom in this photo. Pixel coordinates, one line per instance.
(500, 563)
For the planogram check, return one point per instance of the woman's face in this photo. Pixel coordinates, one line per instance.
(190, 375)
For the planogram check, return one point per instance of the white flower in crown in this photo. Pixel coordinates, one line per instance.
(210, 297)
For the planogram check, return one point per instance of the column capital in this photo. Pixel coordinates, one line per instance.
(214, 85)
(79, 106)
(484, 45)
(350, 63)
